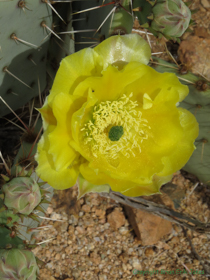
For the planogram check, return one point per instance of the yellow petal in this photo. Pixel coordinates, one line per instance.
(184, 147)
(96, 177)
(147, 102)
(85, 186)
(46, 170)
(59, 148)
(149, 189)
(125, 48)
(152, 83)
(79, 118)
(75, 69)
(47, 115)
(112, 83)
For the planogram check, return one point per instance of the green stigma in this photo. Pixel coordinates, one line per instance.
(115, 133)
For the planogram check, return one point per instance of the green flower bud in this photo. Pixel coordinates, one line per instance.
(170, 17)
(22, 194)
(18, 264)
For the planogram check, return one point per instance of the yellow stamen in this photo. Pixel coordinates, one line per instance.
(121, 112)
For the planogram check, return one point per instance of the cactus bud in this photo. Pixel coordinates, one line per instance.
(18, 264)
(22, 194)
(170, 17)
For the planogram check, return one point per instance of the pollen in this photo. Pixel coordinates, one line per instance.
(116, 127)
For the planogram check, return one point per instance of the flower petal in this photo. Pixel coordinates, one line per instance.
(85, 186)
(105, 87)
(185, 145)
(79, 118)
(152, 82)
(96, 177)
(125, 48)
(63, 106)
(46, 169)
(74, 69)
(149, 189)
(47, 115)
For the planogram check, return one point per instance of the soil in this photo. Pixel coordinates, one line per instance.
(86, 242)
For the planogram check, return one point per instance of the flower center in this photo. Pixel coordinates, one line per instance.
(115, 133)
(116, 127)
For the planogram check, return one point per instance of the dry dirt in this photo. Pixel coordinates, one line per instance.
(88, 241)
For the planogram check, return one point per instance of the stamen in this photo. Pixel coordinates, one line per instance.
(117, 126)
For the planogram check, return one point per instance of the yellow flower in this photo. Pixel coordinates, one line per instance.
(113, 120)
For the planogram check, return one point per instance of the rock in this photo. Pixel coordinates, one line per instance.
(80, 229)
(123, 230)
(201, 31)
(102, 277)
(205, 3)
(55, 216)
(100, 213)
(57, 257)
(136, 264)
(49, 210)
(116, 219)
(148, 228)
(86, 208)
(76, 273)
(194, 52)
(149, 252)
(175, 193)
(64, 226)
(95, 258)
(90, 246)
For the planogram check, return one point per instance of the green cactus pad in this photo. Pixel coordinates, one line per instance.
(22, 194)
(18, 264)
(118, 22)
(27, 62)
(8, 241)
(8, 218)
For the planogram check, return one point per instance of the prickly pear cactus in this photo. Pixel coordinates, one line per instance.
(24, 199)
(22, 204)
(24, 46)
(95, 22)
(22, 194)
(61, 42)
(18, 264)
(21, 198)
(168, 18)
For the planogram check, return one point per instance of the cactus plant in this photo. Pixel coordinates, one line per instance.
(18, 217)
(108, 19)
(23, 202)
(22, 194)
(18, 264)
(25, 60)
(169, 18)
(23, 51)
